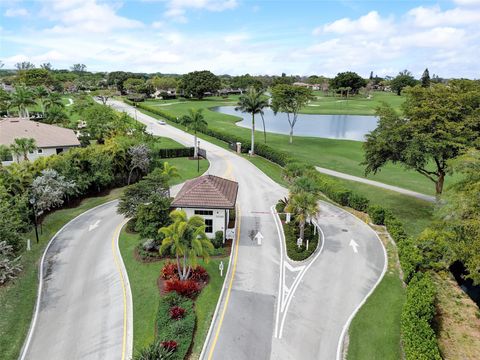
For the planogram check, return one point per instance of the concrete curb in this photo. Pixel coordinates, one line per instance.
(26, 344)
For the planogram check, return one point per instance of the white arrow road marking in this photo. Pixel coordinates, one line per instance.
(94, 225)
(354, 246)
(259, 238)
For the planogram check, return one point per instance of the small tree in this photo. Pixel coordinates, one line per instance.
(104, 95)
(402, 80)
(253, 102)
(290, 99)
(425, 79)
(186, 239)
(303, 206)
(23, 146)
(9, 264)
(194, 120)
(139, 159)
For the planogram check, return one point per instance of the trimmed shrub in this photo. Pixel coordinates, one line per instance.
(154, 351)
(395, 228)
(358, 202)
(217, 241)
(410, 258)
(292, 233)
(188, 288)
(377, 214)
(176, 312)
(169, 271)
(419, 341)
(181, 330)
(199, 274)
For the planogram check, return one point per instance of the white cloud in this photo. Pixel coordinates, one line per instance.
(14, 12)
(467, 2)
(369, 23)
(176, 9)
(157, 24)
(434, 16)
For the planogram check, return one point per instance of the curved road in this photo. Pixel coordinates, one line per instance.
(81, 313)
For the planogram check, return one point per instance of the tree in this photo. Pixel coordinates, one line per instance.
(79, 68)
(22, 98)
(185, 238)
(303, 206)
(459, 214)
(133, 85)
(23, 146)
(139, 159)
(246, 81)
(348, 79)
(195, 121)
(169, 171)
(253, 102)
(402, 80)
(290, 99)
(41, 93)
(163, 83)
(425, 79)
(196, 84)
(55, 115)
(36, 77)
(104, 95)
(283, 80)
(9, 264)
(24, 65)
(100, 121)
(152, 216)
(46, 66)
(53, 99)
(48, 191)
(5, 101)
(437, 125)
(5, 153)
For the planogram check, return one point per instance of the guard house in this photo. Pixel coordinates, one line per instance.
(210, 197)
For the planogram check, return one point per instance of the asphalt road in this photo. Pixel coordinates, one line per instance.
(81, 312)
(270, 308)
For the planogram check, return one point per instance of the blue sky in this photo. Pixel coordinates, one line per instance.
(240, 36)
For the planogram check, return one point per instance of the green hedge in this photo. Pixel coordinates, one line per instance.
(174, 153)
(180, 330)
(292, 233)
(419, 340)
(377, 214)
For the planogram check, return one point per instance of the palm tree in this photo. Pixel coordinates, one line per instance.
(22, 97)
(23, 146)
(170, 171)
(303, 206)
(194, 120)
(5, 153)
(186, 239)
(253, 102)
(41, 94)
(54, 99)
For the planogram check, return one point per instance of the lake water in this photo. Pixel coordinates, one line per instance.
(346, 127)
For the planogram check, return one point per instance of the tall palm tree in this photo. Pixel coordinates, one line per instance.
(41, 93)
(170, 171)
(23, 146)
(303, 206)
(23, 97)
(186, 239)
(196, 121)
(54, 99)
(253, 102)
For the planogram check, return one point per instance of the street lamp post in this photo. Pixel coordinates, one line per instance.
(198, 156)
(33, 203)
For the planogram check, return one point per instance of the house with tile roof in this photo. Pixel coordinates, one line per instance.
(50, 139)
(210, 197)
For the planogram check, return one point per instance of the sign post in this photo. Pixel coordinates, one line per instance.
(220, 267)
(287, 220)
(299, 242)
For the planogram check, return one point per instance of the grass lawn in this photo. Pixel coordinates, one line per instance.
(341, 155)
(17, 299)
(355, 105)
(187, 168)
(374, 333)
(143, 282)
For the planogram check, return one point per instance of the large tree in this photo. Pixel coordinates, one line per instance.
(402, 80)
(348, 79)
(163, 83)
(139, 159)
(196, 121)
(438, 124)
(253, 102)
(196, 84)
(186, 239)
(290, 99)
(22, 98)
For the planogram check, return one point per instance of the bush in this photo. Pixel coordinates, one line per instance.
(358, 202)
(9, 265)
(181, 330)
(292, 233)
(377, 214)
(410, 258)
(169, 271)
(170, 345)
(395, 228)
(188, 288)
(419, 341)
(199, 274)
(217, 241)
(177, 312)
(155, 351)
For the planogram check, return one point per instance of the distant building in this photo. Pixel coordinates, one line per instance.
(310, 86)
(49, 139)
(210, 197)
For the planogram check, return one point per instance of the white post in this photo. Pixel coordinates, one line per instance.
(299, 242)
(307, 244)
(220, 267)
(28, 245)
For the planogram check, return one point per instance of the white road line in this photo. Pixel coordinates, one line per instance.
(352, 315)
(280, 282)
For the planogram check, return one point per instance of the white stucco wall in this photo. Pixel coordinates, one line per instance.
(40, 152)
(218, 219)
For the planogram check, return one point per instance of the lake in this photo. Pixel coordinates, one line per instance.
(345, 127)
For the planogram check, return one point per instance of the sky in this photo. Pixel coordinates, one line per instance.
(246, 36)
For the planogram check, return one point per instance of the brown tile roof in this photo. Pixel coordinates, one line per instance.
(46, 136)
(207, 191)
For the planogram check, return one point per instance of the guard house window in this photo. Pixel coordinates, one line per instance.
(204, 212)
(39, 151)
(209, 228)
